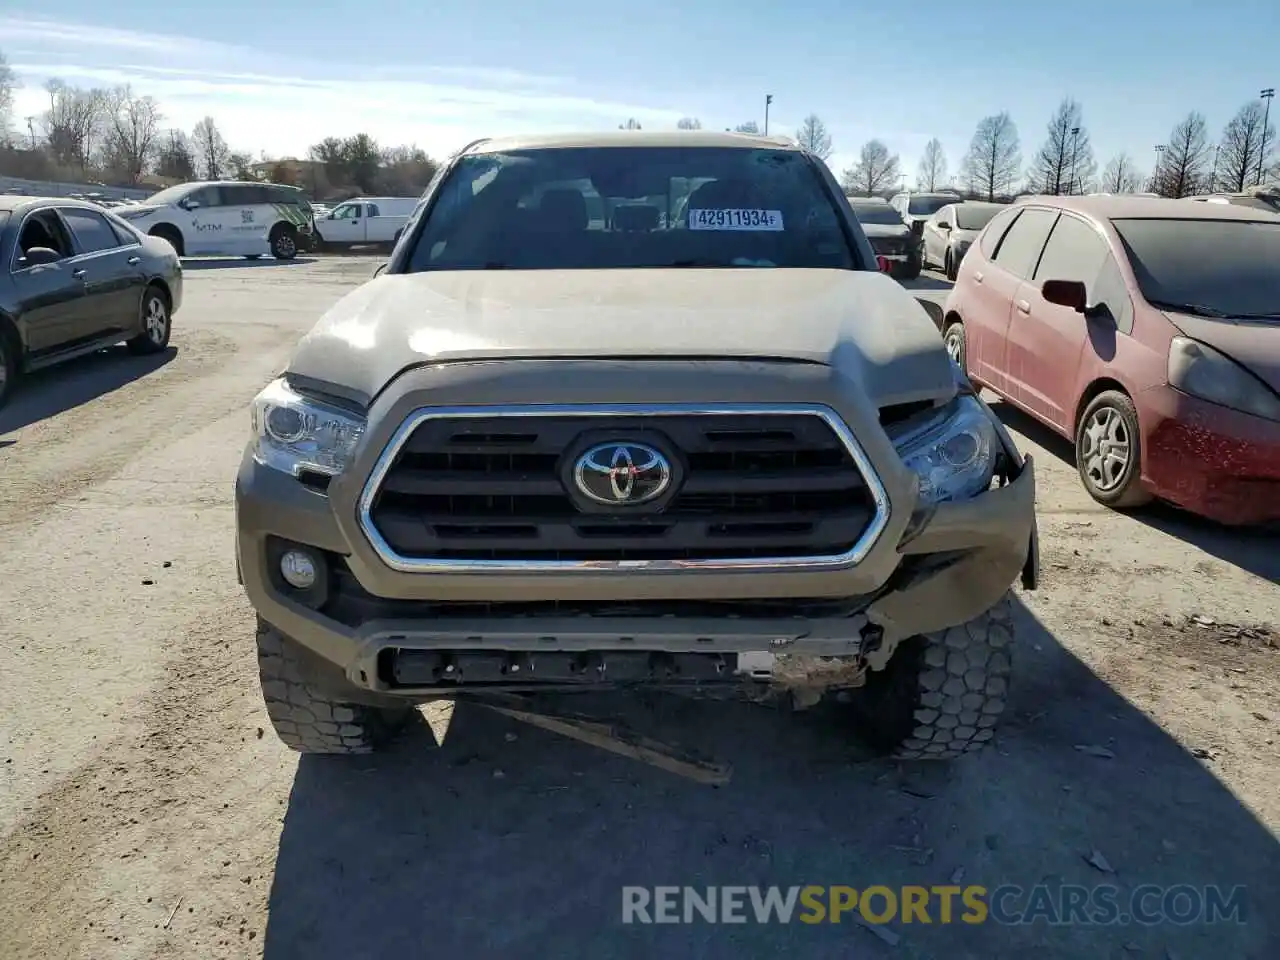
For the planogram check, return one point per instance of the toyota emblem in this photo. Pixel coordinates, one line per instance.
(622, 473)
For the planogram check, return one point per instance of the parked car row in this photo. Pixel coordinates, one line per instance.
(1147, 331)
(914, 231)
(78, 278)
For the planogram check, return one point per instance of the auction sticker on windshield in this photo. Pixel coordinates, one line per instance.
(735, 220)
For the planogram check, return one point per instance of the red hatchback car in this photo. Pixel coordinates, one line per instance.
(1147, 331)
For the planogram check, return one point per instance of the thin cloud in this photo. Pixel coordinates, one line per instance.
(436, 107)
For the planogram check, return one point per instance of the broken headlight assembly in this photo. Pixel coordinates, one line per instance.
(954, 455)
(298, 434)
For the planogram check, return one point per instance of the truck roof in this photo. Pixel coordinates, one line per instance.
(634, 138)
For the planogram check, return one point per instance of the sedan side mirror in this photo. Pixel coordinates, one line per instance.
(39, 257)
(1066, 293)
(190, 204)
(946, 227)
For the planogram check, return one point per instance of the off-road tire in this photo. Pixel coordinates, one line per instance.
(941, 694)
(283, 241)
(307, 719)
(1130, 493)
(166, 232)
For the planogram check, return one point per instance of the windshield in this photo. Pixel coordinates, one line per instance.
(927, 206)
(973, 216)
(877, 213)
(1228, 267)
(170, 195)
(629, 207)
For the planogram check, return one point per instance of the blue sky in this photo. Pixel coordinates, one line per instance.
(280, 76)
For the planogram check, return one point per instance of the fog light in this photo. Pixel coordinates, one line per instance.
(298, 569)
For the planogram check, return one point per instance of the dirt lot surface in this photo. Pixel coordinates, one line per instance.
(144, 812)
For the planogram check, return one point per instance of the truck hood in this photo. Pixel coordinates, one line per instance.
(861, 323)
(1253, 344)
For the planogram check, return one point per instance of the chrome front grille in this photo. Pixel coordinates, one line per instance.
(489, 488)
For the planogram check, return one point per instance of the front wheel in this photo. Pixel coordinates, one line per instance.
(284, 242)
(1109, 451)
(953, 339)
(156, 322)
(941, 694)
(305, 717)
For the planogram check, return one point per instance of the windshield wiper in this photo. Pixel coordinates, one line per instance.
(699, 262)
(1195, 309)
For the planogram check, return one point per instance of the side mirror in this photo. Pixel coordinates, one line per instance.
(39, 257)
(1066, 293)
(944, 227)
(884, 264)
(190, 204)
(380, 269)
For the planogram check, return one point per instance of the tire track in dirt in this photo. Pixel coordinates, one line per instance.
(58, 458)
(121, 805)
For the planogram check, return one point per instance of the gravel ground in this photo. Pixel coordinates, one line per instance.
(144, 813)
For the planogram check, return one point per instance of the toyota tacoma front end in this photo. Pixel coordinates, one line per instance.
(540, 452)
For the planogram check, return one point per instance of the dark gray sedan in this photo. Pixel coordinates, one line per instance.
(75, 278)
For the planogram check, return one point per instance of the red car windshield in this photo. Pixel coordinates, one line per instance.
(1214, 268)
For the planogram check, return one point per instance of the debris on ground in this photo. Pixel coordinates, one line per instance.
(1098, 862)
(1093, 750)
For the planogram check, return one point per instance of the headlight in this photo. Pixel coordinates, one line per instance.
(955, 455)
(1203, 372)
(294, 433)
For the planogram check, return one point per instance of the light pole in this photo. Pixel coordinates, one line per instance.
(1266, 95)
(31, 129)
(1155, 173)
(1213, 177)
(768, 99)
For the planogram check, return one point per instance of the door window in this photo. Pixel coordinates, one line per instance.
(240, 195)
(206, 197)
(42, 229)
(1019, 251)
(1074, 252)
(91, 230)
(348, 212)
(990, 239)
(373, 210)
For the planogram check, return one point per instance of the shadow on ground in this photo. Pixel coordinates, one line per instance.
(434, 852)
(1254, 550)
(54, 390)
(240, 263)
(928, 282)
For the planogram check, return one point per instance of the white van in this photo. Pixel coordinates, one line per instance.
(227, 218)
(364, 220)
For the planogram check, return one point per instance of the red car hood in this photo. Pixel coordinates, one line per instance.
(1254, 345)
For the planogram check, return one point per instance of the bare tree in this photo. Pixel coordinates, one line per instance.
(1065, 163)
(689, 123)
(1241, 143)
(175, 157)
(133, 126)
(813, 136)
(632, 124)
(933, 167)
(991, 166)
(1184, 165)
(72, 122)
(876, 170)
(1120, 175)
(8, 85)
(749, 127)
(211, 149)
